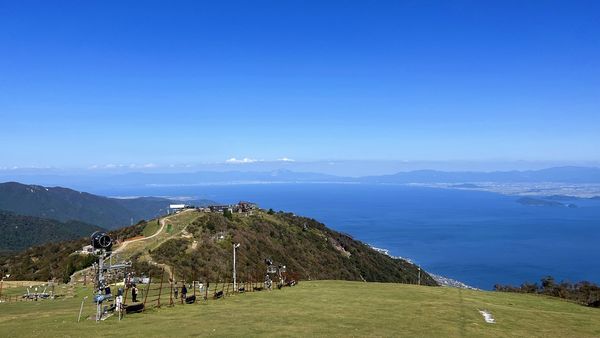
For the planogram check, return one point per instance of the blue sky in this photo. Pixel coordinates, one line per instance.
(172, 82)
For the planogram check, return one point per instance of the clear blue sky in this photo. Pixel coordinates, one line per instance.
(84, 83)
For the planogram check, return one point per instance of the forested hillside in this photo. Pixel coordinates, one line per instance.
(199, 245)
(308, 248)
(65, 205)
(20, 232)
(56, 259)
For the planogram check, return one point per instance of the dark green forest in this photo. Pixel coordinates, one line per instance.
(20, 232)
(66, 204)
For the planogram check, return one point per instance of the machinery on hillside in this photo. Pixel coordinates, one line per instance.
(277, 271)
(105, 269)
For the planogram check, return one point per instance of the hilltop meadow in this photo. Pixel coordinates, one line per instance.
(317, 308)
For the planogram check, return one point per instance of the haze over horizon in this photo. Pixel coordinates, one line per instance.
(341, 168)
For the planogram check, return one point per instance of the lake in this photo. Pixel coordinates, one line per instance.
(479, 238)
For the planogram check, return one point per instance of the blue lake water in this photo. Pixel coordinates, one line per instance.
(476, 237)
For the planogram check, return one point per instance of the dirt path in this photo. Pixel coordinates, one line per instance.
(125, 244)
(163, 223)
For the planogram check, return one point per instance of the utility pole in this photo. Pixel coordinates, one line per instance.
(235, 246)
(419, 275)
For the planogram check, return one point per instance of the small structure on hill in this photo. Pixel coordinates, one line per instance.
(86, 250)
(177, 207)
(243, 206)
(219, 208)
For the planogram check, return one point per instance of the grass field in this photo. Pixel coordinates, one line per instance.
(319, 308)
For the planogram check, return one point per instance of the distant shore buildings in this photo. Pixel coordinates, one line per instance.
(240, 207)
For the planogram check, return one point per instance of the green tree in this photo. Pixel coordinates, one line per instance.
(68, 272)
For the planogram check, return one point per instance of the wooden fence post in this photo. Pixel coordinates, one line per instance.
(147, 292)
(206, 290)
(162, 277)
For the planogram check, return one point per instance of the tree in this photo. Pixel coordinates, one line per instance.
(271, 212)
(547, 282)
(228, 214)
(68, 272)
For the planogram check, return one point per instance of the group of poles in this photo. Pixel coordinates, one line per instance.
(168, 292)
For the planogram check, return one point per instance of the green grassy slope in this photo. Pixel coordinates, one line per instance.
(320, 308)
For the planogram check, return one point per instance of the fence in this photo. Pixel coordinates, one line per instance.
(167, 292)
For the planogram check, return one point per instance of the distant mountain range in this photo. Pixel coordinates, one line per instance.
(557, 174)
(65, 205)
(20, 232)
(91, 182)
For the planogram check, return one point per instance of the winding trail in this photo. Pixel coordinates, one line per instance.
(126, 243)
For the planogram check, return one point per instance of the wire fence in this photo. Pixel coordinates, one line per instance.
(168, 292)
(165, 291)
(158, 292)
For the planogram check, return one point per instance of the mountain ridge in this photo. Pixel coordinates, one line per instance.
(64, 204)
(20, 232)
(565, 174)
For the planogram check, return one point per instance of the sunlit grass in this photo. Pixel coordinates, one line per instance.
(322, 308)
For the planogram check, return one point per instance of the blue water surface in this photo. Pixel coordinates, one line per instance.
(479, 238)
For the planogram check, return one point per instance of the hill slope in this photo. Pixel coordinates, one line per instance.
(198, 245)
(55, 259)
(65, 204)
(20, 232)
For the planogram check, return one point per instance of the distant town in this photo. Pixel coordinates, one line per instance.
(240, 207)
(543, 189)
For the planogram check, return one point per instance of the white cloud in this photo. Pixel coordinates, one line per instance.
(243, 160)
(285, 159)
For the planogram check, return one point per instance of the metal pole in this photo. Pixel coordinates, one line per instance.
(419, 275)
(234, 279)
(81, 308)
